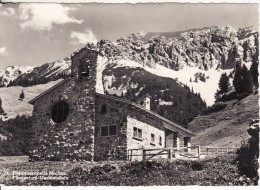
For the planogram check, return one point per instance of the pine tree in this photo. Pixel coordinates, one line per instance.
(175, 103)
(247, 83)
(189, 94)
(237, 78)
(223, 86)
(22, 95)
(189, 109)
(1, 109)
(180, 99)
(217, 95)
(254, 69)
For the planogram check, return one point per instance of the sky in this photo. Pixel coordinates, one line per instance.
(32, 34)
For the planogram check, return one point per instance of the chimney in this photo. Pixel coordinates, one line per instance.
(145, 101)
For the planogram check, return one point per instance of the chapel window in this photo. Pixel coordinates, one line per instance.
(108, 130)
(84, 69)
(60, 111)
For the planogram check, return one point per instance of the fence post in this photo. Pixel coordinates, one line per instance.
(144, 157)
(207, 151)
(198, 147)
(131, 157)
(170, 153)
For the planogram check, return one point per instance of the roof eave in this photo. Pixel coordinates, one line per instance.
(48, 90)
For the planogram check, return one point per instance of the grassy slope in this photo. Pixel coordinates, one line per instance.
(12, 106)
(227, 127)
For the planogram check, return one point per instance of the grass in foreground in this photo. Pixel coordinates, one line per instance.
(213, 171)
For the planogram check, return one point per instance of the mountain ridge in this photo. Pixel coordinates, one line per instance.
(201, 55)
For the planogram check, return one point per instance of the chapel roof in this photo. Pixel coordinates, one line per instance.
(49, 90)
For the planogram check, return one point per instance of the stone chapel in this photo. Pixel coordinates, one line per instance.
(72, 121)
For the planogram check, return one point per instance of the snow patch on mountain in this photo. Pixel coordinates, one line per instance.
(185, 76)
(12, 72)
(141, 33)
(58, 67)
(206, 89)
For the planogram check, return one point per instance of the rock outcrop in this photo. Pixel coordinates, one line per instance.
(205, 48)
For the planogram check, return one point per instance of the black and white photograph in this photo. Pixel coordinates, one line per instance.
(129, 94)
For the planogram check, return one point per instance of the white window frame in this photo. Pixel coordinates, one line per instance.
(139, 131)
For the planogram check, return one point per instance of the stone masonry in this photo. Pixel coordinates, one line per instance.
(73, 138)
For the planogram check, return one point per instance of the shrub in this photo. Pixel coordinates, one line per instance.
(247, 156)
(228, 96)
(196, 166)
(93, 176)
(77, 175)
(215, 108)
(242, 95)
(220, 170)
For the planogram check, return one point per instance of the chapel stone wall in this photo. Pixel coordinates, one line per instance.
(73, 138)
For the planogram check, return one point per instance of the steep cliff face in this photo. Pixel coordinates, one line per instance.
(206, 48)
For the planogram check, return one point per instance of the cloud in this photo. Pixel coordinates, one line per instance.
(43, 16)
(8, 12)
(3, 51)
(83, 37)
